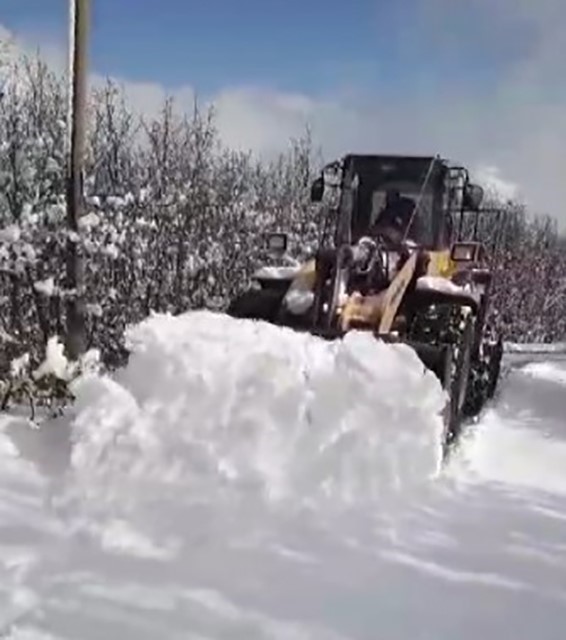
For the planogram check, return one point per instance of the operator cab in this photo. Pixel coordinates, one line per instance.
(420, 195)
(399, 196)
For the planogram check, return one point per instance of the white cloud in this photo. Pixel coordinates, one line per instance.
(513, 138)
(496, 187)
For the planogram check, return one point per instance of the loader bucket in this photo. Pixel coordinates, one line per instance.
(434, 357)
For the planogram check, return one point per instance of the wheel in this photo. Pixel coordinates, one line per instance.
(486, 369)
(494, 368)
(445, 327)
(459, 385)
(262, 304)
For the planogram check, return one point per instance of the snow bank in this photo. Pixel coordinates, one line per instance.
(216, 409)
(520, 442)
(534, 348)
(547, 371)
(515, 455)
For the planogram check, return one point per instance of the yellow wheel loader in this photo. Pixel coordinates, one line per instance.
(399, 257)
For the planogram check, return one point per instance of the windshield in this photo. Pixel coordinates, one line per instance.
(421, 226)
(366, 184)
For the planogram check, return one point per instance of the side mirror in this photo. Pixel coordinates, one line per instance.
(473, 196)
(317, 189)
(277, 243)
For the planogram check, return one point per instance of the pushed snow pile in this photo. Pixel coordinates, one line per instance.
(210, 408)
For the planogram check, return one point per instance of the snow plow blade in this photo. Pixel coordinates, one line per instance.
(433, 357)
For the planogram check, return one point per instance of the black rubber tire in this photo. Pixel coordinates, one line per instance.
(262, 304)
(495, 368)
(460, 381)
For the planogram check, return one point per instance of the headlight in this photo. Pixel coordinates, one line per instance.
(298, 301)
(464, 252)
(300, 295)
(277, 242)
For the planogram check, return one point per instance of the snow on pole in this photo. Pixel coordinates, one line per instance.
(75, 305)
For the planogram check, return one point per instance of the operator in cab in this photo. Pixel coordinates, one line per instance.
(393, 220)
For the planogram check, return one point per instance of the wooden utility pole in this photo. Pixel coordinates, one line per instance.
(75, 304)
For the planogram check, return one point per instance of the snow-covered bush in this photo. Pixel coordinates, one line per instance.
(174, 220)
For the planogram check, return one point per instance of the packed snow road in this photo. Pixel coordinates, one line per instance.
(241, 481)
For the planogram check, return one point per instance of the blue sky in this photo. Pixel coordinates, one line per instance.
(311, 46)
(480, 81)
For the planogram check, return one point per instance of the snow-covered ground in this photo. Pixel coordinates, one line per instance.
(241, 481)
